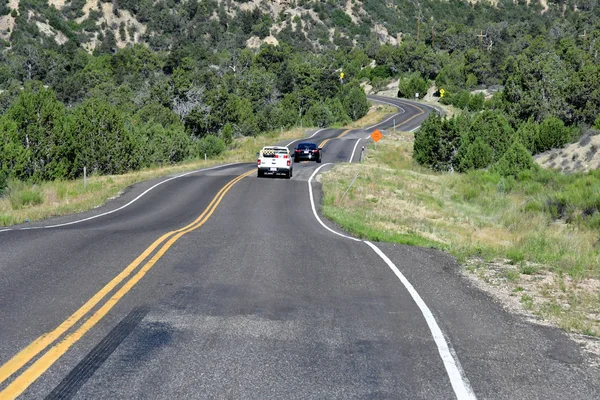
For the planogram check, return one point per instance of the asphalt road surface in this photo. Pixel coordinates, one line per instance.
(222, 285)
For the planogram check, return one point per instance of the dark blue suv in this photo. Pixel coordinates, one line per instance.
(307, 151)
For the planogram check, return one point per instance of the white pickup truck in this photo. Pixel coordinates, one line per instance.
(275, 160)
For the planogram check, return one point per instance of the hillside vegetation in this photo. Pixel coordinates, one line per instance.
(119, 85)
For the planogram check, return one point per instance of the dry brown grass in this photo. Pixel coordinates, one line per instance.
(376, 113)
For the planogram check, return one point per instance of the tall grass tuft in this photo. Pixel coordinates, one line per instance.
(22, 195)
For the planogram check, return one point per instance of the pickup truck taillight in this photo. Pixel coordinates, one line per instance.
(289, 163)
(259, 161)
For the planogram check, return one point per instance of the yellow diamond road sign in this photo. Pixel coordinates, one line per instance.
(376, 136)
(442, 92)
(342, 75)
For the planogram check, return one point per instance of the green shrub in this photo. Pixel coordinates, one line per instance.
(528, 133)
(412, 84)
(21, 196)
(163, 145)
(476, 155)
(380, 71)
(338, 112)
(465, 100)
(436, 142)
(3, 182)
(515, 160)
(356, 103)
(471, 81)
(459, 100)
(558, 206)
(341, 19)
(319, 115)
(227, 134)
(552, 134)
(597, 123)
(210, 145)
(476, 102)
(378, 84)
(493, 128)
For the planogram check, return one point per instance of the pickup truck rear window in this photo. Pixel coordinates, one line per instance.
(270, 153)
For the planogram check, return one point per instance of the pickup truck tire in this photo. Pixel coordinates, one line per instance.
(296, 160)
(260, 174)
(288, 175)
(319, 160)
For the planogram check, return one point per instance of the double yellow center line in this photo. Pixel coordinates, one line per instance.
(421, 112)
(341, 135)
(41, 365)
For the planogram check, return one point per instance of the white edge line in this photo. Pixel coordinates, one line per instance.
(354, 151)
(460, 384)
(386, 120)
(314, 209)
(434, 108)
(313, 135)
(122, 207)
(462, 388)
(310, 137)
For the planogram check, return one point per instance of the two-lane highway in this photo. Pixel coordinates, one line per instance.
(219, 284)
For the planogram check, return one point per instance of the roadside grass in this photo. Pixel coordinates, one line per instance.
(449, 109)
(377, 113)
(540, 231)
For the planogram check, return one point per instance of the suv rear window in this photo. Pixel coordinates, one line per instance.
(307, 146)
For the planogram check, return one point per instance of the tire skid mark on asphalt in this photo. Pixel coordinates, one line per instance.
(31, 374)
(99, 354)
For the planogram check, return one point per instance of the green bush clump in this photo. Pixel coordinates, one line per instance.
(3, 182)
(515, 160)
(437, 140)
(476, 155)
(21, 196)
(552, 134)
(227, 134)
(210, 145)
(319, 115)
(411, 85)
(465, 100)
(484, 141)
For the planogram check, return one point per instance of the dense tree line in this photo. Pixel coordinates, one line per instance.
(114, 113)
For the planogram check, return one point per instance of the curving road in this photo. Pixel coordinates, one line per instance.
(218, 284)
